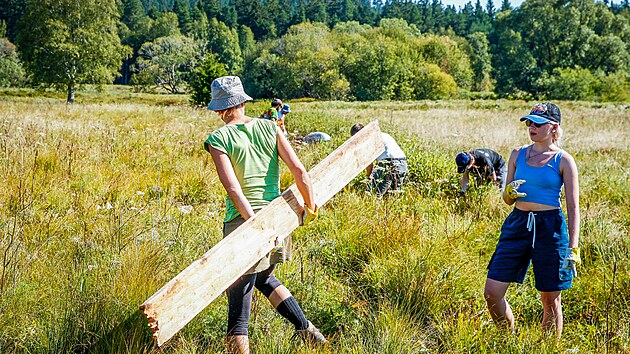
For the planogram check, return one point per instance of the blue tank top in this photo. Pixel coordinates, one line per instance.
(543, 184)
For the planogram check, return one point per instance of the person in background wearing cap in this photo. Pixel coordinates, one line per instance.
(251, 174)
(485, 164)
(536, 230)
(389, 170)
(282, 115)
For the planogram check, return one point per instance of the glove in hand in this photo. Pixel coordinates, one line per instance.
(572, 259)
(511, 190)
(309, 215)
(278, 254)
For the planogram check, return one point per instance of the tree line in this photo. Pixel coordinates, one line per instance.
(344, 49)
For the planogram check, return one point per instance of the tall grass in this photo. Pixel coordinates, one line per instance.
(104, 201)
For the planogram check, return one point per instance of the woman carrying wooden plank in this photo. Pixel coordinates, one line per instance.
(246, 153)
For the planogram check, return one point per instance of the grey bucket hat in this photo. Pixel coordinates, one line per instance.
(227, 92)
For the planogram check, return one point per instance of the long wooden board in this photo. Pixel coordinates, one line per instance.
(182, 298)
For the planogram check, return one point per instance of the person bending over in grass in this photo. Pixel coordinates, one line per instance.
(389, 170)
(536, 230)
(246, 153)
(485, 164)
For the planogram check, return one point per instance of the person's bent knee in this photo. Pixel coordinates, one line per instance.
(551, 300)
(278, 295)
(268, 284)
(494, 290)
(492, 295)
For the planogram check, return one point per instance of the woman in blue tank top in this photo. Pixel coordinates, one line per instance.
(536, 231)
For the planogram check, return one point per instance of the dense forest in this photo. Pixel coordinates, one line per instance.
(324, 49)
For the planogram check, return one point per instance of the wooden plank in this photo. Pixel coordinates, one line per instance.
(182, 298)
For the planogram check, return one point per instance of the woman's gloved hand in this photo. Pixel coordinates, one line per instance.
(309, 215)
(572, 259)
(511, 190)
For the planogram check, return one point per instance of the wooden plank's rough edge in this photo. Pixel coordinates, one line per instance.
(193, 289)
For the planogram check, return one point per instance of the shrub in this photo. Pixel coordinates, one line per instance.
(11, 70)
(582, 84)
(449, 57)
(613, 87)
(430, 82)
(201, 79)
(568, 84)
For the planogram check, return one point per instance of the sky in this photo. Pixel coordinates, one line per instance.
(497, 3)
(461, 3)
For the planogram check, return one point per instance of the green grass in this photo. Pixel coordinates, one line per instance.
(92, 225)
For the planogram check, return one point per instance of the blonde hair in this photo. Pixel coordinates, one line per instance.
(556, 137)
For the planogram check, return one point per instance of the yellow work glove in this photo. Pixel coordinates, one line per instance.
(511, 190)
(573, 258)
(308, 215)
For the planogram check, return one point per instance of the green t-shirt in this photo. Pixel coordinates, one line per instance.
(270, 113)
(253, 151)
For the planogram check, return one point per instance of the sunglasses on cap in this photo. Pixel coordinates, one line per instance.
(537, 125)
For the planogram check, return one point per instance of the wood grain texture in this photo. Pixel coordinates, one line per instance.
(182, 298)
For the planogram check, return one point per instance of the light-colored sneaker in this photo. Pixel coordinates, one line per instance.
(311, 335)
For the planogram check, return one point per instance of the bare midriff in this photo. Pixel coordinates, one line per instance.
(529, 206)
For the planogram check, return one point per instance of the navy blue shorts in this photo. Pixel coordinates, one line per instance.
(545, 245)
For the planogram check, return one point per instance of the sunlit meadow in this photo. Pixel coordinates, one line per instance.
(104, 201)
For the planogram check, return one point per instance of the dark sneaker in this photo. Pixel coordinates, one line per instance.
(311, 335)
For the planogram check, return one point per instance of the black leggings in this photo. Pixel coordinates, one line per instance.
(240, 298)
